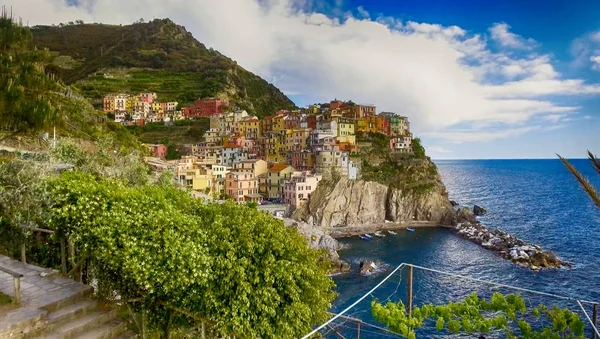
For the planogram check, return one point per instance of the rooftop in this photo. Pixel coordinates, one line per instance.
(278, 167)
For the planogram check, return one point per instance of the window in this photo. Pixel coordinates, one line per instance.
(301, 196)
(308, 188)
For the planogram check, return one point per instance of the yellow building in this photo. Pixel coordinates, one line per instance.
(278, 123)
(250, 127)
(198, 179)
(255, 166)
(278, 173)
(345, 126)
(156, 107)
(297, 139)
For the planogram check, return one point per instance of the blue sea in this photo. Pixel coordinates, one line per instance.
(536, 200)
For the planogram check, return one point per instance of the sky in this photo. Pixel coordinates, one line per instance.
(477, 79)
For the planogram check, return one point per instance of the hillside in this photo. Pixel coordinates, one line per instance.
(158, 56)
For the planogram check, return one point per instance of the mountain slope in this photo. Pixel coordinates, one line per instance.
(158, 56)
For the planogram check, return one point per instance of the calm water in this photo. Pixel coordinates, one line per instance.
(536, 200)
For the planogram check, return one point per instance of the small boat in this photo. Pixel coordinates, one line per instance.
(379, 234)
(368, 235)
(410, 229)
(364, 237)
(392, 232)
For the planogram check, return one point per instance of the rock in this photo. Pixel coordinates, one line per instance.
(477, 210)
(464, 215)
(367, 267)
(453, 203)
(359, 202)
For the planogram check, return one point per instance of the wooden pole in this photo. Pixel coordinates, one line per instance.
(409, 291)
(595, 320)
(357, 330)
(23, 253)
(17, 286)
(143, 323)
(63, 256)
(203, 333)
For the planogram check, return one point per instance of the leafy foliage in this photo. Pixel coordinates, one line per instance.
(231, 266)
(24, 86)
(476, 315)
(158, 56)
(415, 173)
(583, 181)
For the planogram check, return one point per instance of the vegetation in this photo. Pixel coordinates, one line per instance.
(233, 268)
(413, 172)
(583, 181)
(158, 56)
(180, 132)
(473, 315)
(32, 100)
(4, 299)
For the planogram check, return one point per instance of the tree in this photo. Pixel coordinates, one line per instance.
(583, 181)
(418, 149)
(475, 315)
(24, 86)
(233, 268)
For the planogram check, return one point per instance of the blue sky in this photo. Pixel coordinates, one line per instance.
(478, 79)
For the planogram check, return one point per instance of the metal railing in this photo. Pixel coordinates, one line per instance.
(329, 325)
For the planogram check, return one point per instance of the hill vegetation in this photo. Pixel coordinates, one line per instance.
(157, 56)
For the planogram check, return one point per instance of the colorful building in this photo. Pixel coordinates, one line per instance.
(277, 175)
(373, 124)
(298, 188)
(158, 150)
(250, 127)
(401, 144)
(256, 166)
(361, 111)
(205, 108)
(242, 187)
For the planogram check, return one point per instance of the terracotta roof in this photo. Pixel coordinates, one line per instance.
(278, 167)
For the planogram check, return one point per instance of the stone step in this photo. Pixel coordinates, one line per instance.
(77, 327)
(111, 329)
(71, 312)
(82, 292)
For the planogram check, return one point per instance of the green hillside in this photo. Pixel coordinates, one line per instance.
(158, 56)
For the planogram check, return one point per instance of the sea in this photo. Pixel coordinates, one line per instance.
(538, 201)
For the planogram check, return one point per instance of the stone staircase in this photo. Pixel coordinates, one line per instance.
(81, 317)
(55, 307)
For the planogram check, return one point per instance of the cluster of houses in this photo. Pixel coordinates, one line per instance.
(281, 157)
(141, 108)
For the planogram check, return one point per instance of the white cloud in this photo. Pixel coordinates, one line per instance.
(500, 33)
(439, 76)
(458, 137)
(595, 62)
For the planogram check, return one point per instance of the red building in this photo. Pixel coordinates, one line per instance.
(158, 150)
(311, 121)
(205, 108)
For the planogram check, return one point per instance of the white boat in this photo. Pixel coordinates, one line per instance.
(368, 235)
(364, 237)
(410, 229)
(392, 232)
(379, 234)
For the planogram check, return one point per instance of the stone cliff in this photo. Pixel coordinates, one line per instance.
(352, 203)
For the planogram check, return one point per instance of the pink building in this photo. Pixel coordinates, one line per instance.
(147, 97)
(297, 190)
(242, 187)
(158, 150)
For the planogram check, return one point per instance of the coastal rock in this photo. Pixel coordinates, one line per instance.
(465, 215)
(506, 245)
(357, 202)
(368, 267)
(477, 210)
(453, 203)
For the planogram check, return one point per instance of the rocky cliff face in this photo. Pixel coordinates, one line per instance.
(358, 202)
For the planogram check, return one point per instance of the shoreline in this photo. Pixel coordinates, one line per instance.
(350, 231)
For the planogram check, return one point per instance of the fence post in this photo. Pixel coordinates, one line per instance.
(409, 291)
(63, 256)
(595, 320)
(17, 286)
(23, 253)
(357, 330)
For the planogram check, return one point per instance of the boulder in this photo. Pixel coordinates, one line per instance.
(477, 210)
(367, 267)
(465, 215)
(453, 203)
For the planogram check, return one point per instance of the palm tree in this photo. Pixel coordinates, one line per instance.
(585, 183)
